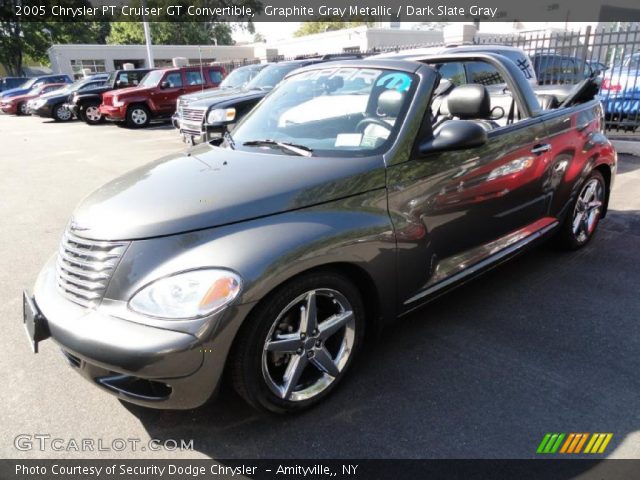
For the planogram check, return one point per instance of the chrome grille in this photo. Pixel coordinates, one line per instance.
(192, 114)
(84, 267)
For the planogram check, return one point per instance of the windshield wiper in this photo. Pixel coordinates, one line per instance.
(290, 147)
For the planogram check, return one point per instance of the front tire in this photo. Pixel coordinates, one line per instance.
(61, 113)
(138, 116)
(21, 108)
(296, 346)
(584, 215)
(91, 114)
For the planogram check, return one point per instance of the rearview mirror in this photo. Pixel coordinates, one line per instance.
(164, 85)
(455, 135)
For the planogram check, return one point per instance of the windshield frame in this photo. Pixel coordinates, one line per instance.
(387, 145)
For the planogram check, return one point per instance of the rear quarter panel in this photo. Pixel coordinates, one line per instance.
(578, 146)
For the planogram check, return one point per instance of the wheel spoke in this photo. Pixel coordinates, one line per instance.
(334, 323)
(288, 343)
(322, 361)
(577, 220)
(309, 315)
(296, 366)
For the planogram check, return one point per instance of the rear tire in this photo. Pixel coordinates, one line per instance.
(61, 113)
(581, 223)
(138, 116)
(91, 115)
(296, 346)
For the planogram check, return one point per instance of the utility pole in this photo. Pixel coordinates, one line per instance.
(147, 35)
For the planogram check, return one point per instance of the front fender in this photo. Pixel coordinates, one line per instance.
(268, 251)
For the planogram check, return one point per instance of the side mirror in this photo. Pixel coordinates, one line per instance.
(164, 85)
(454, 135)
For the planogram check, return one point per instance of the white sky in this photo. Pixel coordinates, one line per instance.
(273, 31)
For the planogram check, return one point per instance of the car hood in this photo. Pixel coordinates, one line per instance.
(208, 93)
(129, 90)
(228, 97)
(13, 92)
(209, 186)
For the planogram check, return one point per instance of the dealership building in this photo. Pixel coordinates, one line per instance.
(76, 59)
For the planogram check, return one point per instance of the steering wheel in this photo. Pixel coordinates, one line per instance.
(362, 124)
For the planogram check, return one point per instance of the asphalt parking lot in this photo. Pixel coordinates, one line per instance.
(547, 343)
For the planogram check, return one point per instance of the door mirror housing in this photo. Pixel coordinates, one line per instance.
(454, 135)
(164, 84)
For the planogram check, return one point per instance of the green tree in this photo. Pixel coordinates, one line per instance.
(176, 33)
(22, 40)
(309, 28)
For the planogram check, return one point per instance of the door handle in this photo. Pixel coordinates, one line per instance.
(541, 148)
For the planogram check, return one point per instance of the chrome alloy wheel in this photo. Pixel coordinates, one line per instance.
(63, 113)
(308, 345)
(93, 113)
(587, 210)
(139, 116)
(23, 108)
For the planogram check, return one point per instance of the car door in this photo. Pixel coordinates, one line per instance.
(454, 209)
(166, 97)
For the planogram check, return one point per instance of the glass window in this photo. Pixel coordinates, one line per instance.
(272, 75)
(194, 77)
(94, 66)
(454, 72)
(239, 77)
(483, 73)
(215, 76)
(152, 78)
(174, 79)
(338, 111)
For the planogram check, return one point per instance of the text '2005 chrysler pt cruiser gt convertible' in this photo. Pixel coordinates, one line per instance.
(352, 194)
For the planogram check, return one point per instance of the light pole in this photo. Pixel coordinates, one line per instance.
(55, 54)
(147, 35)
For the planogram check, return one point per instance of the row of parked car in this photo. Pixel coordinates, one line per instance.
(203, 102)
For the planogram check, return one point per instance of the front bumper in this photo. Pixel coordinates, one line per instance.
(9, 109)
(117, 114)
(198, 133)
(42, 111)
(141, 364)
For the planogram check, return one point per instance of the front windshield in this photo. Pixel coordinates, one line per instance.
(237, 78)
(111, 78)
(333, 111)
(271, 76)
(151, 79)
(29, 83)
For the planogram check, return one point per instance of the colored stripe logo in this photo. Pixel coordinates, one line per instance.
(574, 443)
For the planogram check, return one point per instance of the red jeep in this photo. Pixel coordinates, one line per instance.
(156, 94)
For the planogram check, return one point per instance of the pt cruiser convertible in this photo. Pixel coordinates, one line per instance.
(352, 194)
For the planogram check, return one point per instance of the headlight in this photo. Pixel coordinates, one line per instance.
(117, 102)
(186, 295)
(220, 115)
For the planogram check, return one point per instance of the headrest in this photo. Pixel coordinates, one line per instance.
(469, 101)
(390, 102)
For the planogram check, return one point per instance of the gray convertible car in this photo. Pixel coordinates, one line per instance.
(354, 193)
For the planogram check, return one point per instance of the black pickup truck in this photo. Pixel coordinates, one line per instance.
(202, 117)
(84, 105)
